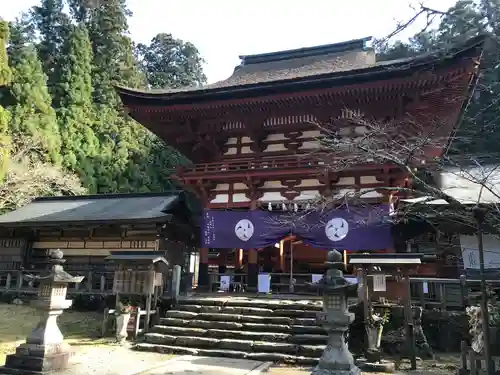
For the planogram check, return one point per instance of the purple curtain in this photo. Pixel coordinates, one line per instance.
(343, 229)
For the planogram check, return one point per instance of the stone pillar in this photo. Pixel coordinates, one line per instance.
(252, 270)
(203, 277)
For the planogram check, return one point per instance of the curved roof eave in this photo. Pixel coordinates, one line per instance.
(387, 68)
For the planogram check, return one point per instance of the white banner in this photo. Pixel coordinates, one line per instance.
(470, 252)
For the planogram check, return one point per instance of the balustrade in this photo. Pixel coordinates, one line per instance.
(95, 282)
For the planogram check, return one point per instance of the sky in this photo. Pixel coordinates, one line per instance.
(222, 30)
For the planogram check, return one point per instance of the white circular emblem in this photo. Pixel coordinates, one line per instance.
(244, 229)
(336, 229)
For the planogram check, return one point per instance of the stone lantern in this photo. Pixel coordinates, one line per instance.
(45, 349)
(336, 318)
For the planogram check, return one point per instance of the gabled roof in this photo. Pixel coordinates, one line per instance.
(98, 209)
(335, 64)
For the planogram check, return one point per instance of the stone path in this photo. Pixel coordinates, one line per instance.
(112, 360)
(195, 365)
(120, 360)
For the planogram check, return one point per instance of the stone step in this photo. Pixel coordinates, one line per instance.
(232, 325)
(216, 333)
(226, 309)
(275, 318)
(262, 356)
(234, 344)
(239, 302)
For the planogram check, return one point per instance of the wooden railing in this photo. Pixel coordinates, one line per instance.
(95, 282)
(428, 292)
(253, 164)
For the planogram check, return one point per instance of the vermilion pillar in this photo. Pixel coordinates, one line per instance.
(253, 270)
(203, 277)
(238, 259)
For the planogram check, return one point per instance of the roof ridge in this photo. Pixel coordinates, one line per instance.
(349, 45)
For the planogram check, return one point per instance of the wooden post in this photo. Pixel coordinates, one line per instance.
(472, 362)
(8, 281)
(238, 259)
(102, 285)
(104, 325)
(422, 294)
(89, 281)
(19, 280)
(463, 354)
(148, 298)
(281, 259)
(464, 291)
(203, 278)
(410, 334)
(252, 270)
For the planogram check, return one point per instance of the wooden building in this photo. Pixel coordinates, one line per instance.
(88, 228)
(253, 138)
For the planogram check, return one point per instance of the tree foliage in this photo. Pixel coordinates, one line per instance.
(59, 70)
(171, 63)
(5, 77)
(479, 133)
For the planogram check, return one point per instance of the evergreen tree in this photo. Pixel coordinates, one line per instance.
(51, 23)
(75, 108)
(171, 63)
(479, 133)
(31, 113)
(5, 77)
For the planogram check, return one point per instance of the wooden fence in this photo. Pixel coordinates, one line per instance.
(99, 282)
(428, 292)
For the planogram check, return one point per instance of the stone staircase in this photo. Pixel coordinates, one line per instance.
(275, 330)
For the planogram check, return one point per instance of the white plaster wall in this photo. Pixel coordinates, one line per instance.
(222, 187)
(310, 182)
(220, 198)
(231, 151)
(240, 197)
(275, 137)
(275, 147)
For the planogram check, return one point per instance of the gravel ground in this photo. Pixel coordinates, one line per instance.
(112, 360)
(446, 364)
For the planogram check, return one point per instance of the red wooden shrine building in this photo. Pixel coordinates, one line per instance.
(253, 138)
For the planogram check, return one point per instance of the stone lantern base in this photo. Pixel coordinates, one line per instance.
(44, 350)
(37, 359)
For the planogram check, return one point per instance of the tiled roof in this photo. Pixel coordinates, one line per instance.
(302, 64)
(95, 208)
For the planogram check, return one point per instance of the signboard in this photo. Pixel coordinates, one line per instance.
(315, 278)
(264, 283)
(470, 252)
(379, 283)
(225, 282)
(425, 287)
